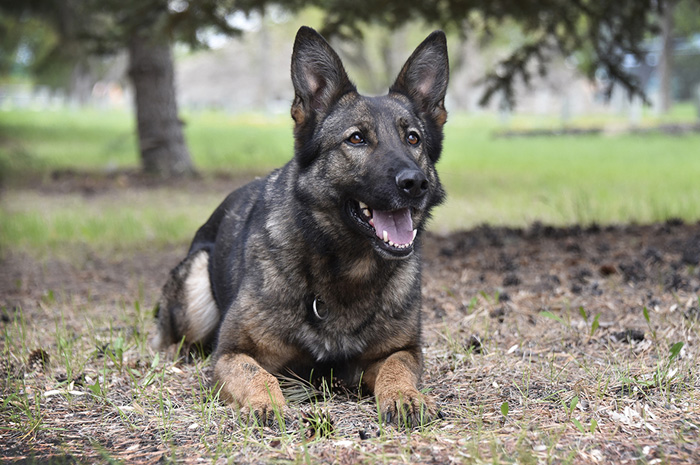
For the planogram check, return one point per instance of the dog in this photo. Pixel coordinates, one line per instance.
(316, 267)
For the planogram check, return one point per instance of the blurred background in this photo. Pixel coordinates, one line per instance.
(245, 68)
(123, 122)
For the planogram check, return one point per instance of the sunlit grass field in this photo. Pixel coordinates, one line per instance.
(608, 178)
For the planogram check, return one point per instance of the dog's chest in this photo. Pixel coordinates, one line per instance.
(344, 322)
(325, 346)
(331, 333)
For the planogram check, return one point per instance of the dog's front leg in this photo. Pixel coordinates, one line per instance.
(394, 382)
(243, 382)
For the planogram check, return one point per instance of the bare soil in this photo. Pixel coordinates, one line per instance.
(503, 325)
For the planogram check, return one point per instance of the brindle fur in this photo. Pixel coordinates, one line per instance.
(281, 242)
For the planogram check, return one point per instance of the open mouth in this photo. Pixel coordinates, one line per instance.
(393, 229)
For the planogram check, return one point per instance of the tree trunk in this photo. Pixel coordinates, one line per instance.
(161, 141)
(666, 58)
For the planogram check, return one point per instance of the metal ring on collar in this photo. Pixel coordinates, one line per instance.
(316, 311)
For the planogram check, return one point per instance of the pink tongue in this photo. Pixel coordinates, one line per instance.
(397, 224)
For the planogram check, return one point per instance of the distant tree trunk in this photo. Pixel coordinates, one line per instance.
(161, 141)
(666, 59)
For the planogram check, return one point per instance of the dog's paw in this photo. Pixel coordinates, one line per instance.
(410, 408)
(266, 413)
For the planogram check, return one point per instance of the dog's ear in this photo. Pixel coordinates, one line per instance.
(318, 75)
(424, 77)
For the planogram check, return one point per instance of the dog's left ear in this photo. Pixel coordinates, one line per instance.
(318, 76)
(424, 77)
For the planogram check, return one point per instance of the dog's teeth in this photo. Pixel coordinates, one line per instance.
(415, 232)
(363, 206)
(367, 213)
(371, 222)
(385, 236)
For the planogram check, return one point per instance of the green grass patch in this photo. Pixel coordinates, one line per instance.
(516, 181)
(567, 179)
(41, 223)
(239, 143)
(106, 140)
(76, 139)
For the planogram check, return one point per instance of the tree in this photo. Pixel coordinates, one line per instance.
(146, 29)
(602, 32)
(599, 32)
(161, 140)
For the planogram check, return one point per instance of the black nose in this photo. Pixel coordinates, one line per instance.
(412, 182)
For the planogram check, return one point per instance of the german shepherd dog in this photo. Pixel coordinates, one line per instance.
(315, 268)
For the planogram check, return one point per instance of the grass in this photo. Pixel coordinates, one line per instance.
(566, 180)
(602, 179)
(545, 384)
(79, 383)
(113, 381)
(41, 223)
(105, 140)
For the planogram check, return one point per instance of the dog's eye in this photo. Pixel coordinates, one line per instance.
(412, 138)
(356, 138)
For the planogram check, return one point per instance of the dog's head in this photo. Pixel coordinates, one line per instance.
(369, 161)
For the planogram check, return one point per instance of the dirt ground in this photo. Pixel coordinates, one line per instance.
(503, 325)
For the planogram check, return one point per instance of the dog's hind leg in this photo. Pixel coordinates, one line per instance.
(187, 307)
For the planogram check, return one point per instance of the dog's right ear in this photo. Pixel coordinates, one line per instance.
(424, 77)
(318, 76)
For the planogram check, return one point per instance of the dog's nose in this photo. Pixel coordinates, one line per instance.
(412, 182)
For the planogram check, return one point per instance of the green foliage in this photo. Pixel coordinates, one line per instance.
(645, 312)
(665, 374)
(317, 424)
(96, 388)
(605, 30)
(78, 29)
(552, 316)
(674, 350)
(594, 324)
(571, 407)
(686, 17)
(26, 42)
(505, 408)
(23, 412)
(115, 352)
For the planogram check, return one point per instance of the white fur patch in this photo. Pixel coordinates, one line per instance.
(202, 312)
(156, 341)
